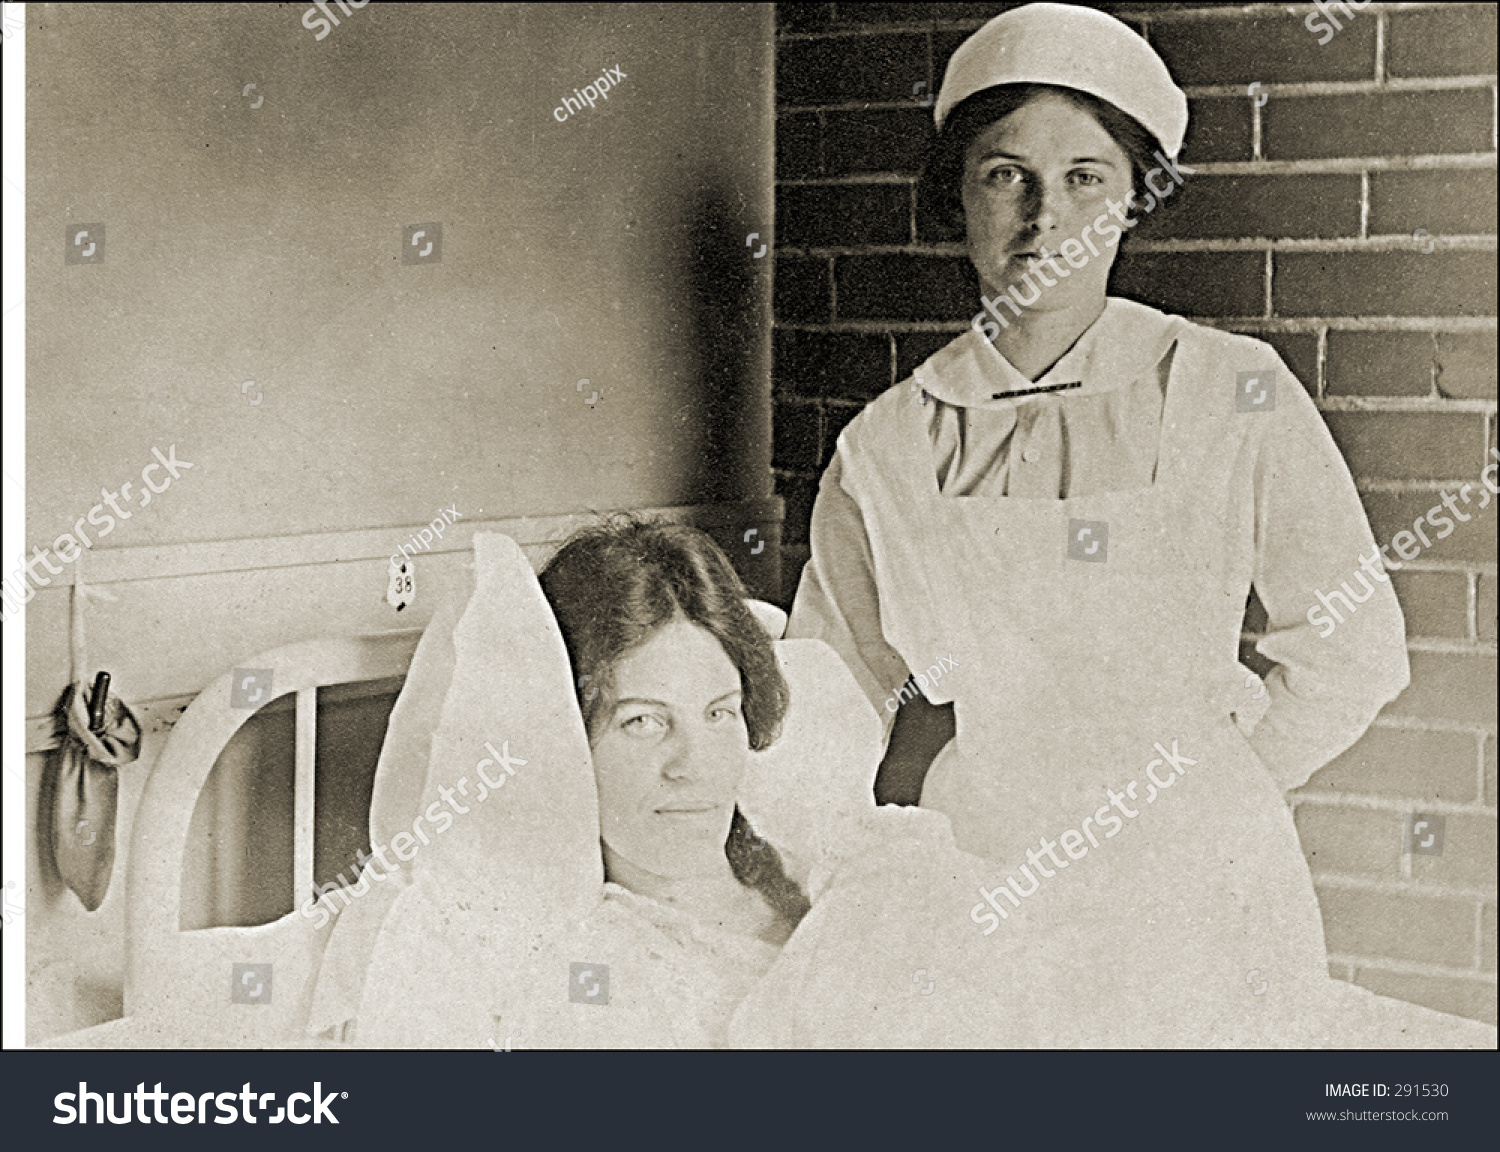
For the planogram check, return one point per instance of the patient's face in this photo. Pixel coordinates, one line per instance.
(670, 757)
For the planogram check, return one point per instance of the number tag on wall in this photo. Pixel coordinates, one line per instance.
(401, 589)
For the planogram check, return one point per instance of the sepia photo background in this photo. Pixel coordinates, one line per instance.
(602, 330)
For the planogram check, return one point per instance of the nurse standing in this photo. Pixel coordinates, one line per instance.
(1072, 501)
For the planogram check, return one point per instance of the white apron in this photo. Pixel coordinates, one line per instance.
(1068, 674)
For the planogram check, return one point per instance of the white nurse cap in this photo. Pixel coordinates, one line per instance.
(1069, 47)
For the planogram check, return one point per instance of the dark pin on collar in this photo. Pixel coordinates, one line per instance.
(1035, 391)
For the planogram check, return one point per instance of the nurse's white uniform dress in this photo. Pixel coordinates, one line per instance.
(1098, 689)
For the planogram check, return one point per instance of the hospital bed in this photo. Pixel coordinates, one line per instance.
(232, 986)
(281, 983)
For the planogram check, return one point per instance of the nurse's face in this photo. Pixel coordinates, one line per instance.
(1036, 184)
(671, 753)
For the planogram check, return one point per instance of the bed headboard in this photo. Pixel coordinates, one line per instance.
(187, 975)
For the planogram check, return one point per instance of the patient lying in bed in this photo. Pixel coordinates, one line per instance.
(689, 855)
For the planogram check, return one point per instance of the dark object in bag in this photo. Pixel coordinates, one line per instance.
(94, 741)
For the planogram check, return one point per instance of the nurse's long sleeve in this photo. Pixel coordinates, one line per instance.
(838, 601)
(1333, 676)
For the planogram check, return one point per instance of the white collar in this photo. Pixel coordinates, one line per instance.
(1126, 340)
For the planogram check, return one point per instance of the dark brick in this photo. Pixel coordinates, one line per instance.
(1453, 40)
(905, 288)
(835, 417)
(918, 13)
(1466, 365)
(1445, 202)
(893, 140)
(1379, 364)
(837, 215)
(1300, 351)
(1404, 762)
(803, 17)
(1471, 543)
(803, 291)
(794, 558)
(854, 365)
(944, 44)
(1273, 50)
(1409, 445)
(1385, 124)
(935, 226)
(799, 492)
(798, 146)
(795, 437)
(1383, 284)
(1434, 603)
(850, 69)
(1275, 207)
(1193, 283)
(914, 348)
(1458, 687)
(1218, 129)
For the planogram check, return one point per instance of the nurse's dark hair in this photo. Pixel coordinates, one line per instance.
(940, 189)
(612, 587)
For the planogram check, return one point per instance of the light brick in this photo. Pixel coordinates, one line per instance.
(1300, 351)
(1410, 446)
(1401, 925)
(1466, 365)
(1444, 202)
(1434, 603)
(1474, 998)
(1271, 49)
(1385, 124)
(1383, 284)
(1193, 283)
(1468, 859)
(1489, 772)
(1471, 543)
(1484, 606)
(1405, 762)
(1351, 841)
(1452, 686)
(1276, 207)
(1443, 40)
(1379, 364)
(1219, 128)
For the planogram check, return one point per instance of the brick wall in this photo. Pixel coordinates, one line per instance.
(1345, 212)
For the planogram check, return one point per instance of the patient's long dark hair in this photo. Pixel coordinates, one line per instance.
(612, 587)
